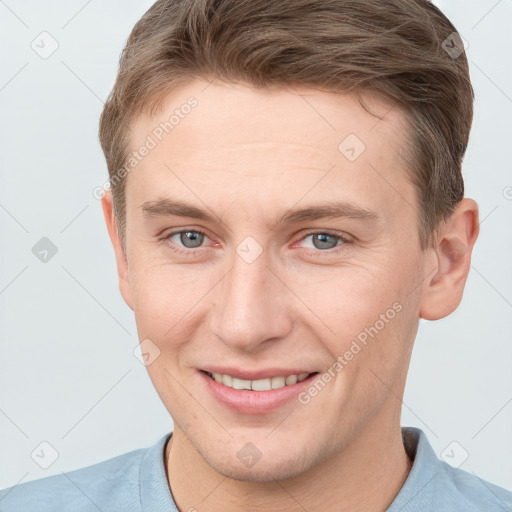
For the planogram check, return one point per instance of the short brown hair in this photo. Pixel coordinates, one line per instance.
(398, 49)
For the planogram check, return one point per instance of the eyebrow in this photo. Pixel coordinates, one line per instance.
(333, 209)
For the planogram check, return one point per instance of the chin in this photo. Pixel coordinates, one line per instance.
(262, 471)
(275, 462)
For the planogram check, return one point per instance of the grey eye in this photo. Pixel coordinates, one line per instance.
(324, 240)
(191, 239)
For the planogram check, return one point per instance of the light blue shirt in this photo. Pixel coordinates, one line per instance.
(136, 481)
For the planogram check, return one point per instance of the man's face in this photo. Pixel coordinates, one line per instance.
(262, 294)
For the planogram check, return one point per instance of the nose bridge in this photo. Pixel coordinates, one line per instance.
(248, 308)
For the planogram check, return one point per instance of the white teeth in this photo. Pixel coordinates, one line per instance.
(260, 384)
(291, 379)
(278, 382)
(241, 384)
(227, 380)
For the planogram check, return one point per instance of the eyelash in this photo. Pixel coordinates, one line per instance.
(187, 252)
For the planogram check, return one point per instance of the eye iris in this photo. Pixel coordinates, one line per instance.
(196, 238)
(322, 240)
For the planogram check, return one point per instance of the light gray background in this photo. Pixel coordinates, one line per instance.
(68, 374)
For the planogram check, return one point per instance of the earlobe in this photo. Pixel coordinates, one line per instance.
(457, 236)
(121, 259)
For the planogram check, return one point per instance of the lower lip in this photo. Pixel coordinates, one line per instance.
(254, 402)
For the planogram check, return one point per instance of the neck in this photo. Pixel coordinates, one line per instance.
(364, 476)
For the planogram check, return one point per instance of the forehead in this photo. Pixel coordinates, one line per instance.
(230, 135)
(224, 113)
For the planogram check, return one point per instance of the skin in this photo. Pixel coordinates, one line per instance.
(246, 156)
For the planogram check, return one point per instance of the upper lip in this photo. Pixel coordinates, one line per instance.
(255, 374)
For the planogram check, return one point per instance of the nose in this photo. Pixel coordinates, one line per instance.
(251, 306)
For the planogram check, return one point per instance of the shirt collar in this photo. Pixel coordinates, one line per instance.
(416, 493)
(156, 496)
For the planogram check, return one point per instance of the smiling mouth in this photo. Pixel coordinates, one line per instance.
(267, 384)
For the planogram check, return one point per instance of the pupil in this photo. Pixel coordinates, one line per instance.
(323, 239)
(195, 239)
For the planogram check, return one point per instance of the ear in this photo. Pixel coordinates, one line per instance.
(456, 238)
(121, 260)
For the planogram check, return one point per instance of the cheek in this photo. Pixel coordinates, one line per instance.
(165, 296)
(347, 299)
(364, 313)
